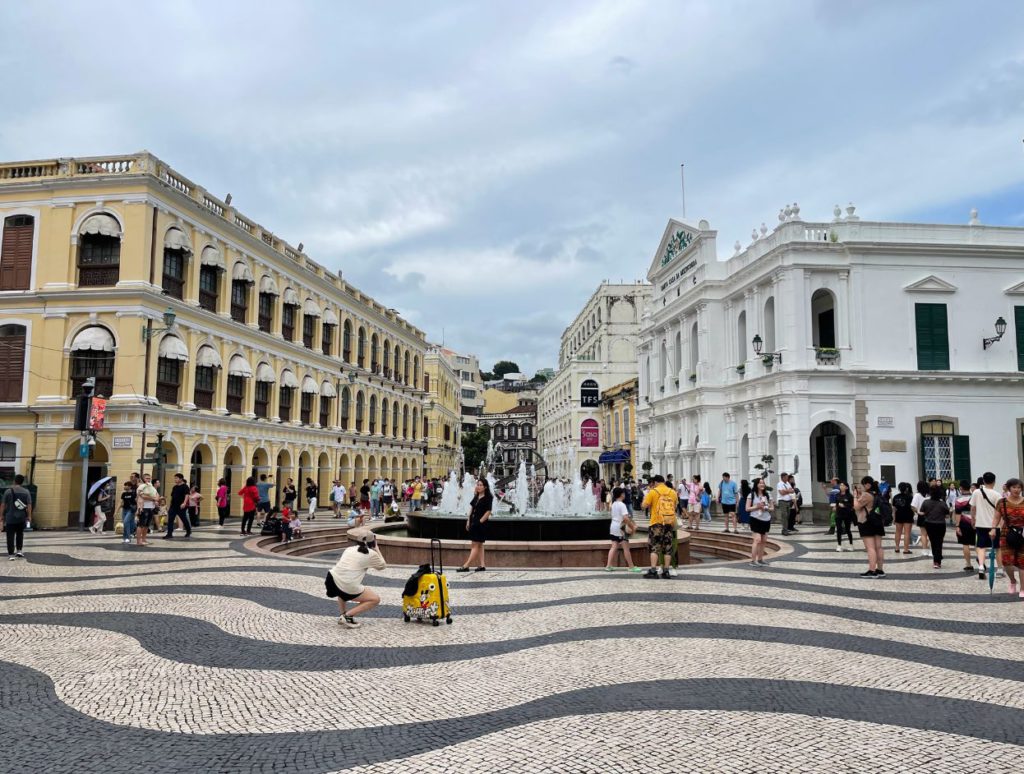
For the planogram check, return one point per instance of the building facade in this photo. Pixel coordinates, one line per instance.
(442, 415)
(597, 350)
(472, 389)
(618, 426)
(835, 348)
(273, 364)
(514, 431)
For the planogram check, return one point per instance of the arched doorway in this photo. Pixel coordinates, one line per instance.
(323, 478)
(829, 452)
(590, 470)
(70, 469)
(260, 463)
(201, 475)
(232, 474)
(345, 470)
(283, 471)
(304, 471)
(371, 467)
(823, 319)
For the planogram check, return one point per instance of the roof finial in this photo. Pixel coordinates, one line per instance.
(974, 217)
(837, 214)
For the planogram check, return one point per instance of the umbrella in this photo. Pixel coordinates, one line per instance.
(99, 485)
(992, 567)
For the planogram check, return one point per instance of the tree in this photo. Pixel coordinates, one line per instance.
(474, 447)
(539, 378)
(486, 376)
(503, 367)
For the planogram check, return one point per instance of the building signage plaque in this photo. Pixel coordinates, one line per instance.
(590, 434)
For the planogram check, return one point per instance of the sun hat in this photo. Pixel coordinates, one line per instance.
(361, 534)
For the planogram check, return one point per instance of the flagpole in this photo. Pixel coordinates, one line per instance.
(682, 181)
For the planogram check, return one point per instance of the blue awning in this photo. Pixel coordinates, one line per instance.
(613, 457)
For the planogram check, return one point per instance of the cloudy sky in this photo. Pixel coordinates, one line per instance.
(482, 166)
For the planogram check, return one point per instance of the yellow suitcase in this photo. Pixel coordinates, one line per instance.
(430, 600)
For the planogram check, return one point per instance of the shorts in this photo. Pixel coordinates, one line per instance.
(334, 592)
(364, 504)
(263, 505)
(760, 526)
(144, 518)
(728, 507)
(387, 499)
(985, 538)
(871, 527)
(904, 518)
(616, 538)
(966, 536)
(659, 538)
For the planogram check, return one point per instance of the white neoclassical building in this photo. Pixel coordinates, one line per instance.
(598, 351)
(875, 351)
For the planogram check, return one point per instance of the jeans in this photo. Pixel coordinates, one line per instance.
(128, 522)
(936, 532)
(705, 513)
(415, 505)
(374, 507)
(181, 513)
(15, 535)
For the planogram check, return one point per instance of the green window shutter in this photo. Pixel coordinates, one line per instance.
(932, 337)
(819, 458)
(920, 448)
(962, 457)
(1018, 314)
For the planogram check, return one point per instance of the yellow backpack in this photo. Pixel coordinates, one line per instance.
(665, 508)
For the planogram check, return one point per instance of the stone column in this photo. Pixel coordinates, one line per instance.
(188, 383)
(220, 391)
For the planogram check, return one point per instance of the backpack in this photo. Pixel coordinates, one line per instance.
(705, 500)
(883, 509)
(666, 508)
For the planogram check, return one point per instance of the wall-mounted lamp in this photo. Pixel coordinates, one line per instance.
(169, 318)
(1000, 330)
(758, 343)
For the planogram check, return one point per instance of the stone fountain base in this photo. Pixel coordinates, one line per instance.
(502, 527)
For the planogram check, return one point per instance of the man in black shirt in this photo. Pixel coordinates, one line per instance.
(178, 507)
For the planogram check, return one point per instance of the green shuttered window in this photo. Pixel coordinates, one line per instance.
(932, 337)
(1018, 318)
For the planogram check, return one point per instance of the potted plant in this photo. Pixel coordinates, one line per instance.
(693, 378)
(827, 355)
(768, 360)
(741, 368)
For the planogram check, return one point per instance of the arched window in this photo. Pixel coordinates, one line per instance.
(241, 281)
(823, 316)
(426, 427)
(415, 371)
(741, 340)
(361, 348)
(769, 325)
(176, 253)
(289, 306)
(398, 365)
(286, 394)
(499, 432)
(310, 313)
(415, 422)
(384, 416)
(327, 333)
(171, 359)
(360, 409)
(327, 396)
(92, 354)
(373, 414)
(694, 350)
(426, 382)
(12, 363)
(405, 421)
(387, 359)
(310, 389)
(211, 266)
(405, 367)
(346, 401)
(374, 353)
(239, 373)
(512, 433)
(99, 251)
(16, 252)
(264, 378)
(346, 341)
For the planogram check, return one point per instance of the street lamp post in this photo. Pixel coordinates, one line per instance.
(82, 410)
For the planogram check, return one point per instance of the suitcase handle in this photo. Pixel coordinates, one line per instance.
(437, 568)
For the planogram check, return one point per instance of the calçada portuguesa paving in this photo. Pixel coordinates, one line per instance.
(205, 656)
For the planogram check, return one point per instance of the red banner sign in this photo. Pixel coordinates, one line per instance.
(97, 413)
(590, 434)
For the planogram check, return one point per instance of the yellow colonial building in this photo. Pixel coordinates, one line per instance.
(618, 423)
(442, 414)
(273, 364)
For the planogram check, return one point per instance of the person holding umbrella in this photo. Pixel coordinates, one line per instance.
(1009, 519)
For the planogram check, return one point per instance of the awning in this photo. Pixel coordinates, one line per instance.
(330, 317)
(242, 272)
(94, 339)
(309, 386)
(327, 390)
(173, 348)
(264, 373)
(208, 357)
(101, 224)
(288, 379)
(268, 285)
(614, 457)
(212, 257)
(310, 308)
(175, 239)
(291, 298)
(238, 366)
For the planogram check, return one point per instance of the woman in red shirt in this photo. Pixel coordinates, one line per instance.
(250, 498)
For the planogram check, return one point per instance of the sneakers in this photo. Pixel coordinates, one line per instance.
(917, 540)
(879, 573)
(651, 573)
(349, 622)
(936, 566)
(754, 564)
(19, 555)
(839, 549)
(665, 574)
(785, 533)
(1000, 572)
(762, 563)
(11, 558)
(981, 574)
(609, 569)
(868, 574)
(636, 569)
(968, 568)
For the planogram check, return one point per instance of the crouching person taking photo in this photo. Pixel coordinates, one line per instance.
(345, 580)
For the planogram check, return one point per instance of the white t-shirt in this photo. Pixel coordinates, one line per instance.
(387, 490)
(784, 485)
(984, 510)
(762, 514)
(916, 502)
(619, 512)
(339, 494)
(352, 566)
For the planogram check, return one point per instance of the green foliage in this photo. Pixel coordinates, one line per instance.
(474, 447)
(503, 367)
(539, 378)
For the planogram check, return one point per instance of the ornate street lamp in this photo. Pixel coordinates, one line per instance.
(1000, 330)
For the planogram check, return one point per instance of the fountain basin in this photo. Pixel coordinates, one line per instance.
(513, 527)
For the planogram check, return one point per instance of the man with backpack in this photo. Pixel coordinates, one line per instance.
(661, 502)
(16, 512)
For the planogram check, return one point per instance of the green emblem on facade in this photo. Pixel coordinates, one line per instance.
(679, 242)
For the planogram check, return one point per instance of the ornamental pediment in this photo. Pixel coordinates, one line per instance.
(930, 284)
(1015, 290)
(676, 240)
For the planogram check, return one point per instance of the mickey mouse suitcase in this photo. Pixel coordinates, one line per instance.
(430, 600)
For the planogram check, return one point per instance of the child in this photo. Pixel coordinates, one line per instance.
(296, 526)
(128, 506)
(161, 513)
(286, 524)
(355, 516)
(193, 500)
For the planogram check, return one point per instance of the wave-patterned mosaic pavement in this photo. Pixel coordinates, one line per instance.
(201, 656)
